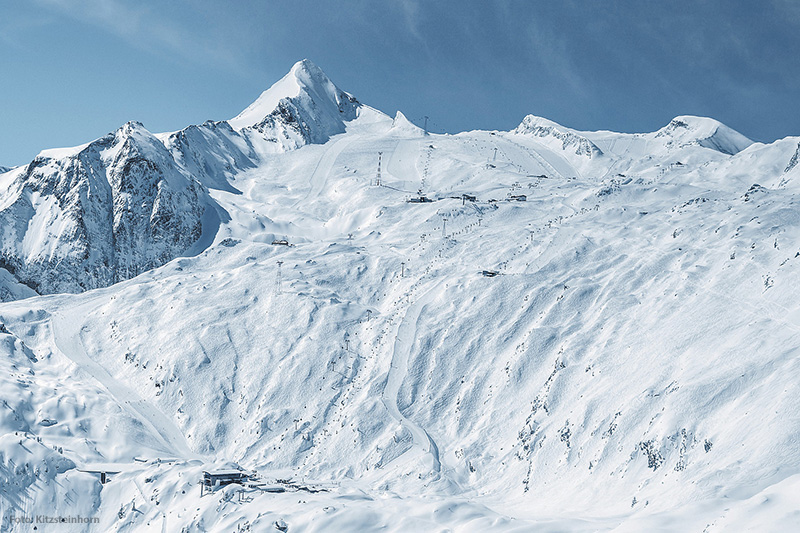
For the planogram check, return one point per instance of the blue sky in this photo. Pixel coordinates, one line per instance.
(73, 70)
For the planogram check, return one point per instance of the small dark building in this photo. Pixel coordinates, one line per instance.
(489, 273)
(220, 478)
(518, 198)
(419, 200)
(101, 471)
(281, 242)
(469, 198)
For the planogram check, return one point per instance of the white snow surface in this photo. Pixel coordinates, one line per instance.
(633, 366)
(12, 289)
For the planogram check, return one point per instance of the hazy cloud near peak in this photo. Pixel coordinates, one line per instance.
(788, 8)
(148, 29)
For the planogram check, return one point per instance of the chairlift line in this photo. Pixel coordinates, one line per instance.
(278, 288)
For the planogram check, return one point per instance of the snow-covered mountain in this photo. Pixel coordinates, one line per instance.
(87, 217)
(303, 107)
(576, 331)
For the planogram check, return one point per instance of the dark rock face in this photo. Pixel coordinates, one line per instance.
(303, 117)
(105, 213)
(794, 160)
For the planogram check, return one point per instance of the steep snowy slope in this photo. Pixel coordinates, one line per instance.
(11, 289)
(553, 134)
(629, 362)
(211, 153)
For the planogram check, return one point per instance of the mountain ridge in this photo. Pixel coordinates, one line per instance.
(306, 107)
(207, 155)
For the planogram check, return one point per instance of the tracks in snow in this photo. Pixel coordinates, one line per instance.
(404, 341)
(319, 177)
(66, 335)
(538, 157)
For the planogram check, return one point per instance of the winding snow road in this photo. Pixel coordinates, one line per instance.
(66, 335)
(404, 342)
(325, 164)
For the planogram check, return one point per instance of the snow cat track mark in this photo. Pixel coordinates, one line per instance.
(72, 347)
(398, 369)
(323, 169)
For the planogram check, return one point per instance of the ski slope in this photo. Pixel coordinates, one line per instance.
(66, 339)
(404, 340)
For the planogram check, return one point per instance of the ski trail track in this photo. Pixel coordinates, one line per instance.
(546, 158)
(402, 163)
(404, 341)
(66, 335)
(319, 177)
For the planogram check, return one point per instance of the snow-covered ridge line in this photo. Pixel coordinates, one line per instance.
(570, 140)
(705, 132)
(305, 106)
(682, 131)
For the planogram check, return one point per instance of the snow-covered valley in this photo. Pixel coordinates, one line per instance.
(543, 329)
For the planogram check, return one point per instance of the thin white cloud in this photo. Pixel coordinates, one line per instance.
(552, 51)
(145, 28)
(789, 9)
(410, 10)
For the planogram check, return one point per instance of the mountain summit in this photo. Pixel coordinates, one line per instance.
(706, 132)
(304, 106)
(104, 212)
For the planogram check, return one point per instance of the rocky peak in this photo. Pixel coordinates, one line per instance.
(100, 213)
(569, 139)
(305, 106)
